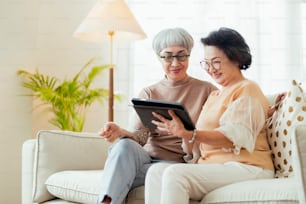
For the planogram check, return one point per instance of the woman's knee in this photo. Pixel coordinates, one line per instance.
(173, 174)
(174, 169)
(156, 171)
(129, 151)
(124, 145)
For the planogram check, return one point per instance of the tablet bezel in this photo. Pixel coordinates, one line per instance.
(145, 107)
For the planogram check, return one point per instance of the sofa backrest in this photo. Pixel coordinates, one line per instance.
(299, 161)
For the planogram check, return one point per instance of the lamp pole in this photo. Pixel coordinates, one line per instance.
(111, 80)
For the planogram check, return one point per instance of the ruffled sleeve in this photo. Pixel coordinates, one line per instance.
(242, 122)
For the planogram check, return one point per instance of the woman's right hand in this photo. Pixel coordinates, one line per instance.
(173, 126)
(110, 132)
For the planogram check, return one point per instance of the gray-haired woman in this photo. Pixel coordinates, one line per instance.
(130, 158)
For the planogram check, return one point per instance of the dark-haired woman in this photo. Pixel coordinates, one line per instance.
(230, 129)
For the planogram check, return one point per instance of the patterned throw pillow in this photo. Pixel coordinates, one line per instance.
(291, 112)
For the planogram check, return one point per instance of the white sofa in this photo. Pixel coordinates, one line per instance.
(72, 164)
(60, 167)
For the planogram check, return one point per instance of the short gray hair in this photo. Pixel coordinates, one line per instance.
(172, 37)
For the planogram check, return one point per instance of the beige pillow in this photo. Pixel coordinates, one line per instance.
(281, 126)
(58, 151)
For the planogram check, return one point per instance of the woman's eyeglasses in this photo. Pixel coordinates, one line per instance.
(170, 58)
(215, 64)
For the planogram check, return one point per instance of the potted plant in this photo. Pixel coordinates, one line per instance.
(69, 99)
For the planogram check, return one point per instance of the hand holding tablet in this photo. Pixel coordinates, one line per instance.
(145, 107)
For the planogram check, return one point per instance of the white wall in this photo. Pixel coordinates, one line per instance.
(38, 34)
(18, 22)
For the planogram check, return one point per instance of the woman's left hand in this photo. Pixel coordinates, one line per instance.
(173, 126)
(278, 100)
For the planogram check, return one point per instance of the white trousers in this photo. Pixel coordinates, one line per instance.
(177, 183)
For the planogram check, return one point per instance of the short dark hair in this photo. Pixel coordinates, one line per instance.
(232, 44)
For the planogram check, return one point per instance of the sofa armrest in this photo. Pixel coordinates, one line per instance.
(57, 150)
(28, 149)
(299, 161)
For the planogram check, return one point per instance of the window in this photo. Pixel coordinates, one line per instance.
(274, 29)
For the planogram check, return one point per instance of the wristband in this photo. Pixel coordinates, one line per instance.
(194, 134)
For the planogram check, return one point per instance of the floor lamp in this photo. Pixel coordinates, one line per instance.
(108, 21)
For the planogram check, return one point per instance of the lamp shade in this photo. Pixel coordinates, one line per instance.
(109, 16)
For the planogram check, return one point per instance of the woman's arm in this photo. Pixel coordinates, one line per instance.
(213, 138)
(176, 127)
(111, 131)
(239, 126)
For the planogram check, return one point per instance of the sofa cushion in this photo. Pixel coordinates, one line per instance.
(136, 195)
(84, 187)
(76, 186)
(58, 201)
(282, 190)
(63, 150)
(281, 126)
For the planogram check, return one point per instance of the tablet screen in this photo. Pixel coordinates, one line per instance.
(145, 107)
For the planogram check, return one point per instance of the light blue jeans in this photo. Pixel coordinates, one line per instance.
(125, 169)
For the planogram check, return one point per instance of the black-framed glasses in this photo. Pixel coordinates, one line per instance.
(170, 58)
(215, 63)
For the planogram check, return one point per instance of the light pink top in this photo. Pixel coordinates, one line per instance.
(239, 112)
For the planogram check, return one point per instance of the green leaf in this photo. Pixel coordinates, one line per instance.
(68, 99)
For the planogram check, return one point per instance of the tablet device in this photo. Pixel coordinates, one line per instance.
(145, 107)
